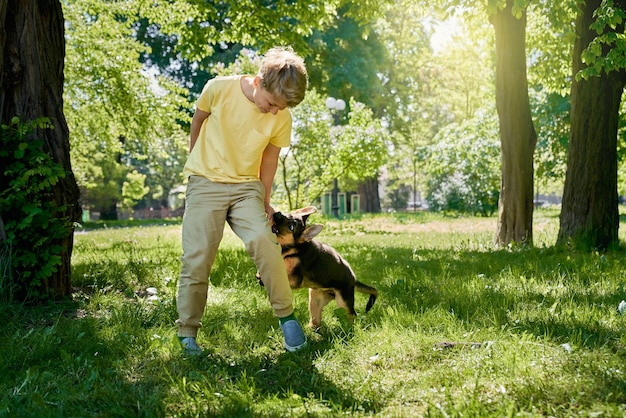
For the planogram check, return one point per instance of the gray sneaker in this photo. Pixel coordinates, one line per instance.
(190, 347)
(294, 336)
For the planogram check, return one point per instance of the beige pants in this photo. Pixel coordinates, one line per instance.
(208, 206)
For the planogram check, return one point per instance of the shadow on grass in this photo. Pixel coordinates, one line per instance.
(59, 361)
(244, 363)
(244, 354)
(68, 364)
(548, 293)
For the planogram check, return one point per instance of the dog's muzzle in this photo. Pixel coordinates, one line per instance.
(277, 218)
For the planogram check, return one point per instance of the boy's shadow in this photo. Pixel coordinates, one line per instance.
(274, 372)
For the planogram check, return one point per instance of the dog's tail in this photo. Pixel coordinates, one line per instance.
(364, 288)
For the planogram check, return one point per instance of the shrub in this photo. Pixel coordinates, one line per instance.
(463, 168)
(32, 224)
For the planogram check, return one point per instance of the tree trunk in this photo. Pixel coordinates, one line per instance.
(370, 200)
(517, 133)
(589, 214)
(109, 213)
(32, 45)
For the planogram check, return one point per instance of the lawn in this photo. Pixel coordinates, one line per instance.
(459, 329)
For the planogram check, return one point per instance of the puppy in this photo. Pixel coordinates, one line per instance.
(317, 266)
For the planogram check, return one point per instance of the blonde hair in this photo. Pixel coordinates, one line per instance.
(284, 74)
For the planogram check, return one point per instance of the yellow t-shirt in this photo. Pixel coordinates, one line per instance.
(232, 139)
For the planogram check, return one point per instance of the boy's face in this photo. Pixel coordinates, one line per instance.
(264, 100)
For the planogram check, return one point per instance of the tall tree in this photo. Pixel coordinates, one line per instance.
(517, 133)
(32, 49)
(589, 216)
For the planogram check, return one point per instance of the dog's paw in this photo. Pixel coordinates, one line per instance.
(258, 277)
(315, 327)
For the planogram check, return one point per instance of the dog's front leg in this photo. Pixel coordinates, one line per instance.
(318, 298)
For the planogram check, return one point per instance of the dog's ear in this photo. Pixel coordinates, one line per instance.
(311, 231)
(306, 211)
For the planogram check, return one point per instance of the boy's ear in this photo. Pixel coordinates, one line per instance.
(311, 231)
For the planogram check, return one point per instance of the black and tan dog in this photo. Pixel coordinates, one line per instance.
(317, 266)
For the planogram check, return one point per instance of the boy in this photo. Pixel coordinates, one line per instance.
(237, 130)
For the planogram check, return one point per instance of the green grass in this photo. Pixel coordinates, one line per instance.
(459, 329)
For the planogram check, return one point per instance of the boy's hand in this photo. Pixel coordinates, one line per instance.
(269, 211)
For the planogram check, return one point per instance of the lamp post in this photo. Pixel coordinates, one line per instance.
(335, 106)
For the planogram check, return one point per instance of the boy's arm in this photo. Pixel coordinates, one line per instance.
(267, 171)
(196, 123)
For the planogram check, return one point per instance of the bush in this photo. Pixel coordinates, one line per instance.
(32, 224)
(463, 168)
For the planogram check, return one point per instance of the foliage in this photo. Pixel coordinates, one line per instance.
(430, 83)
(187, 43)
(134, 188)
(607, 52)
(161, 161)
(117, 111)
(305, 161)
(409, 71)
(360, 146)
(247, 61)
(485, 8)
(114, 105)
(347, 60)
(462, 78)
(201, 26)
(398, 194)
(322, 151)
(412, 107)
(186, 46)
(26, 208)
(551, 113)
(380, 53)
(463, 167)
(550, 37)
(459, 330)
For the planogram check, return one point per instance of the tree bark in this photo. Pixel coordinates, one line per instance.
(370, 199)
(517, 133)
(589, 215)
(32, 46)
